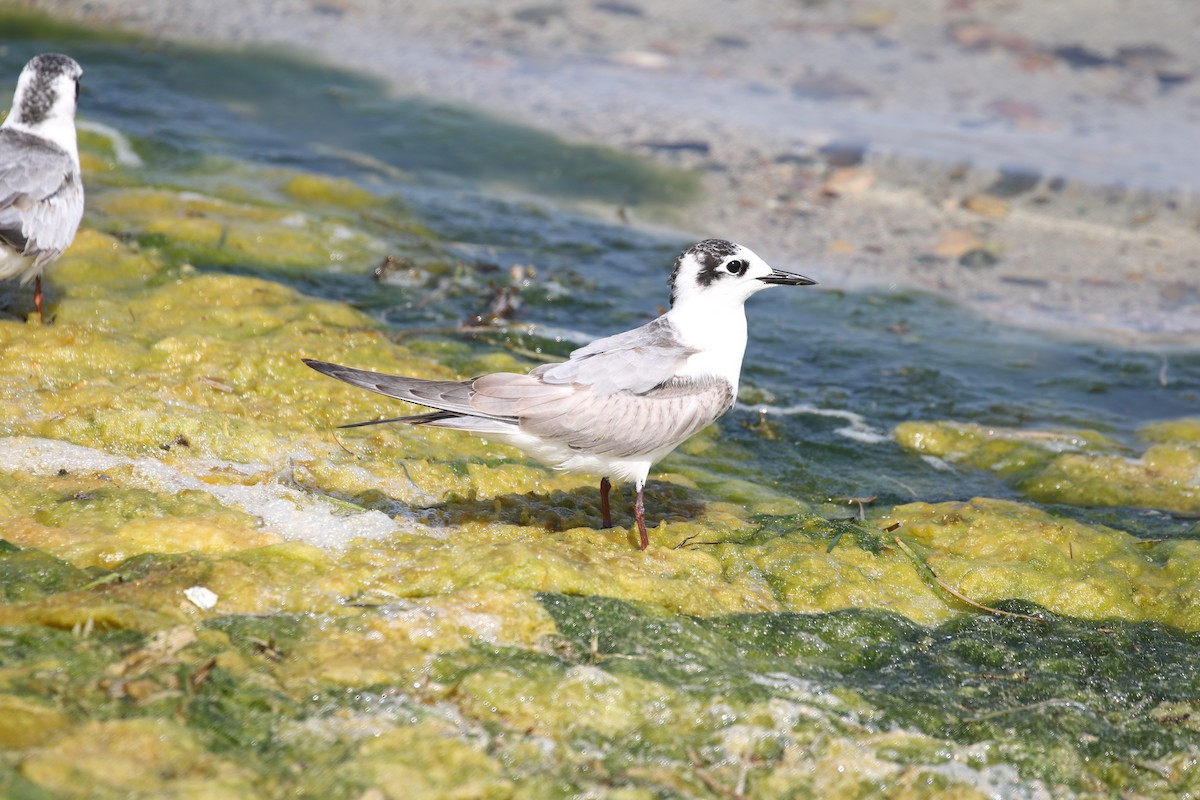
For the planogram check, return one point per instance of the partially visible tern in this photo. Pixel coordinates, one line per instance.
(41, 194)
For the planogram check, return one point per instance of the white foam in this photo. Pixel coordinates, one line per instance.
(292, 514)
(858, 429)
(937, 463)
(1000, 781)
(123, 151)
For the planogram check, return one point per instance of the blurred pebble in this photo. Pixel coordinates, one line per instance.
(642, 59)
(986, 205)
(954, 244)
(844, 154)
(1013, 182)
(978, 259)
(1081, 57)
(847, 180)
(620, 9)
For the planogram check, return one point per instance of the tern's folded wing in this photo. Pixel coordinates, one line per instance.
(627, 424)
(41, 198)
(30, 166)
(634, 361)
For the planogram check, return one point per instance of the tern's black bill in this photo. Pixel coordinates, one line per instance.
(780, 278)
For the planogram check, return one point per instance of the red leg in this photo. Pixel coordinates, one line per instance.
(37, 298)
(605, 485)
(639, 514)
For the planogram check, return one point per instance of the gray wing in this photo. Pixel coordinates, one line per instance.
(41, 197)
(621, 424)
(634, 361)
(624, 424)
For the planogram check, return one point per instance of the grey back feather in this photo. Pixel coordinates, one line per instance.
(634, 361)
(625, 425)
(41, 197)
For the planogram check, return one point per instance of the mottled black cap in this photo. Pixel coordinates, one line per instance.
(39, 95)
(710, 253)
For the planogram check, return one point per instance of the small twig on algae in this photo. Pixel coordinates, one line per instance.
(861, 502)
(959, 595)
(709, 780)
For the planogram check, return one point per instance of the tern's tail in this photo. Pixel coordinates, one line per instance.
(442, 395)
(452, 399)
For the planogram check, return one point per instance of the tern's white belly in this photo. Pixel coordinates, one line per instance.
(560, 456)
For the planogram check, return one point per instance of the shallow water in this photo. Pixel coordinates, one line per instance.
(834, 371)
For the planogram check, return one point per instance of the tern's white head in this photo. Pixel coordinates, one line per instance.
(721, 272)
(44, 103)
(709, 287)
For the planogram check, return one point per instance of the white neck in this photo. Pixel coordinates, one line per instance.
(717, 328)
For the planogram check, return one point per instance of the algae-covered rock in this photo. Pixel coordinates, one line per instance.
(152, 757)
(330, 192)
(1080, 468)
(1010, 452)
(428, 761)
(25, 724)
(991, 550)
(211, 232)
(400, 641)
(1184, 429)
(1165, 476)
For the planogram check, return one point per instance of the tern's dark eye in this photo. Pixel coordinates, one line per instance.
(736, 267)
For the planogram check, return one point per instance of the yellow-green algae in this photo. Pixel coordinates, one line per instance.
(1081, 468)
(997, 549)
(135, 757)
(493, 642)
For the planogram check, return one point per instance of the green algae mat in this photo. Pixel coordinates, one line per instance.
(925, 558)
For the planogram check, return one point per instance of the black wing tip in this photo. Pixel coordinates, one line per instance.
(414, 419)
(324, 367)
(371, 422)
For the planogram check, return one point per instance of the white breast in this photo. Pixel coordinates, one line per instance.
(718, 333)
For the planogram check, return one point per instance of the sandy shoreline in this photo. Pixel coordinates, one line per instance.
(1078, 123)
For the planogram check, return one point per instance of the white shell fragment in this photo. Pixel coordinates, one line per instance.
(201, 597)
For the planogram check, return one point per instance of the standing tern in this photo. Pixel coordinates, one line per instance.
(621, 403)
(41, 194)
